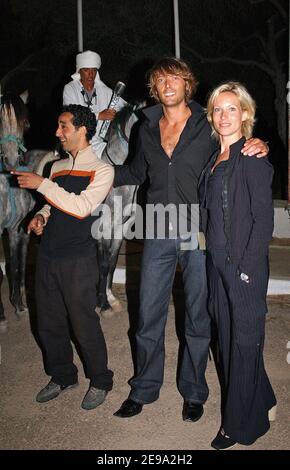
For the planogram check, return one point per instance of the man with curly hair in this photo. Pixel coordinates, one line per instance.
(67, 267)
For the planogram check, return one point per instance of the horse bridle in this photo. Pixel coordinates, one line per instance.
(20, 146)
(109, 158)
(121, 132)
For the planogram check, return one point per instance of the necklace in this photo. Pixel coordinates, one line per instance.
(87, 98)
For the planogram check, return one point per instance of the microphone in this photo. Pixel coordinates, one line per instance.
(118, 91)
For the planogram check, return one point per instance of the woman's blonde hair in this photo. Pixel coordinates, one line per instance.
(246, 101)
(172, 66)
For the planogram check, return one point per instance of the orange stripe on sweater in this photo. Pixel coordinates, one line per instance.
(91, 174)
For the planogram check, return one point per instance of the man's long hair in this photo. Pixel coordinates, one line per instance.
(172, 66)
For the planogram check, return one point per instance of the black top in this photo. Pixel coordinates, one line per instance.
(171, 181)
(64, 235)
(215, 236)
(247, 207)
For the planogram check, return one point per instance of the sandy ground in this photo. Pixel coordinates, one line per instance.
(62, 424)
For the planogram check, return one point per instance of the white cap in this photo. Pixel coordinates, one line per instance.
(87, 59)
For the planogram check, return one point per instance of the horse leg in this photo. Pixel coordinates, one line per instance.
(3, 321)
(18, 246)
(113, 301)
(103, 250)
(23, 259)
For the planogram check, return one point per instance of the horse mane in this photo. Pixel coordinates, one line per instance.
(9, 102)
(123, 114)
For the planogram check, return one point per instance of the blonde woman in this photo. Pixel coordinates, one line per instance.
(237, 209)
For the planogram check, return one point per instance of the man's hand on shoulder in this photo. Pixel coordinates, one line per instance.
(256, 147)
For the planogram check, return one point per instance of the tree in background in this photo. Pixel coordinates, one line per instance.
(247, 41)
(223, 40)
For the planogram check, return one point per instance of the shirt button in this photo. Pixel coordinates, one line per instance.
(170, 163)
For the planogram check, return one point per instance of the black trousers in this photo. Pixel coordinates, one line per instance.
(239, 311)
(66, 297)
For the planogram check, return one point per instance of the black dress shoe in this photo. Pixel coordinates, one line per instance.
(192, 411)
(129, 408)
(222, 441)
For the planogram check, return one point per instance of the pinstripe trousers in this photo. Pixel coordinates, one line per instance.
(239, 311)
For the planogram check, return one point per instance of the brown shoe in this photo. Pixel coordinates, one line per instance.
(52, 390)
(93, 398)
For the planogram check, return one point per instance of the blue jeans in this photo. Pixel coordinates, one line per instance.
(159, 262)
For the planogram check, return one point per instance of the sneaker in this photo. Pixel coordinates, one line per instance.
(93, 398)
(52, 390)
(222, 441)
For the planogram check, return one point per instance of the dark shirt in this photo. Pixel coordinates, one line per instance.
(171, 181)
(247, 207)
(215, 237)
(64, 235)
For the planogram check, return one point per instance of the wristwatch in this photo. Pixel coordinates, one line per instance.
(244, 277)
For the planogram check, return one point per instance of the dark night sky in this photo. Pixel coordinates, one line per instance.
(129, 35)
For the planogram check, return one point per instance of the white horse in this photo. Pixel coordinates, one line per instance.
(15, 203)
(121, 205)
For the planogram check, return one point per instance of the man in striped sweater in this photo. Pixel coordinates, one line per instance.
(66, 268)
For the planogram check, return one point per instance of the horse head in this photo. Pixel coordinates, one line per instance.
(13, 123)
(119, 132)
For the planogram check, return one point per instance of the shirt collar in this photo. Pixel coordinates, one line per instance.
(154, 113)
(237, 146)
(85, 154)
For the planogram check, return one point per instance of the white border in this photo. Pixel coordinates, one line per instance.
(275, 287)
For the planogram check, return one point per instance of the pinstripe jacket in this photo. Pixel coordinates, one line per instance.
(247, 206)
